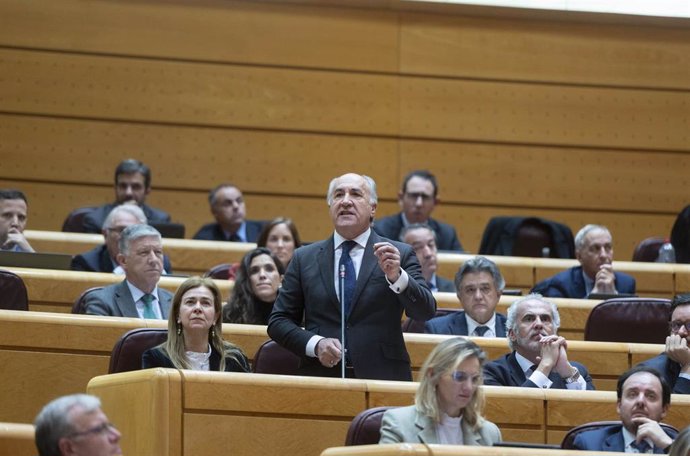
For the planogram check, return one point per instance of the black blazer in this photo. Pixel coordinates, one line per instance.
(213, 231)
(374, 338)
(93, 221)
(446, 237)
(670, 370)
(156, 357)
(505, 371)
(455, 323)
(680, 236)
(98, 260)
(445, 285)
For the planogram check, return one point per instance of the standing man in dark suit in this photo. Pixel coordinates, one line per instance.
(229, 210)
(539, 358)
(132, 186)
(417, 198)
(423, 240)
(643, 400)
(138, 296)
(479, 285)
(594, 251)
(674, 362)
(380, 278)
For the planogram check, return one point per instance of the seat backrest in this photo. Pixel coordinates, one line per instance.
(639, 320)
(74, 222)
(272, 358)
(13, 295)
(569, 439)
(533, 238)
(365, 428)
(411, 325)
(223, 271)
(79, 305)
(648, 249)
(126, 354)
(527, 236)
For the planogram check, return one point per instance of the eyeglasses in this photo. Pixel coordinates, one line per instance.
(462, 377)
(676, 325)
(414, 196)
(97, 430)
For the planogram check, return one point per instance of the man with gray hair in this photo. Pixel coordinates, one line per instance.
(104, 257)
(595, 275)
(539, 358)
(479, 286)
(380, 279)
(75, 425)
(422, 238)
(138, 296)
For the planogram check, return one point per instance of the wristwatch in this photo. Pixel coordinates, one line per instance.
(573, 378)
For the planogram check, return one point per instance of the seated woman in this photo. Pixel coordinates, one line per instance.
(448, 402)
(681, 446)
(280, 236)
(256, 288)
(195, 333)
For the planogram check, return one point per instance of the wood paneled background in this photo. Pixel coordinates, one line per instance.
(574, 117)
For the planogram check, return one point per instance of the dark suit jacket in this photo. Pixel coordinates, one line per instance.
(446, 237)
(499, 236)
(455, 323)
(116, 301)
(373, 336)
(669, 369)
(571, 284)
(213, 231)
(93, 221)
(680, 236)
(98, 260)
(156, 357)
(608, 438)
(505, 371)
(445, 285)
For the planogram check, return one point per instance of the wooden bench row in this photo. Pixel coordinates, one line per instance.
(419, 449)
(45, 355)
(204, 413)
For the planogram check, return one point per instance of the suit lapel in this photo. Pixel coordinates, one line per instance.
(369, 262)
(164, 302)
(614, 442)
(469, 436)
(516, 373)
(325, 258)
(125, 301)
(461, 324)
(427, 432)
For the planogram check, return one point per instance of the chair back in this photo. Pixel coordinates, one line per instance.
(528, 237)
(569, 439)
(126, 354)
(365, 428)
(272, 358)
(74, 223)
(648, 249)
(638, 320)
(79, 306)
(223, 271)
(410, 325)
(13, 295)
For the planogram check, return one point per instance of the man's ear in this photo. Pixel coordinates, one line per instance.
(121, 260)
(65, 445)
(400, 198)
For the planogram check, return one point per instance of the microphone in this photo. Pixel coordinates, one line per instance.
(342, 321)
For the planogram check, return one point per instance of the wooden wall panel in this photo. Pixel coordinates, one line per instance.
(545, 50)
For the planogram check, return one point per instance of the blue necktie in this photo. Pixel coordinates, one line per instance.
(350, 277)
(641, 447)
(149, 314)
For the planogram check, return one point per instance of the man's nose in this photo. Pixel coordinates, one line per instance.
(419, 201)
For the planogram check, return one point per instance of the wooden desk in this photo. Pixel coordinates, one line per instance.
(419, 449)
(17, 439)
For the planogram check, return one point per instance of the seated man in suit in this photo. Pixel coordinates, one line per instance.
(539, 358)
(13, 210)
(423, 240)
(380, 279)
(674, 362)
(138, 296)
(594, 251)
(643, 400)
(104, 257)
(417, 198)
(480, 284)
(229, 210)
(132, 185)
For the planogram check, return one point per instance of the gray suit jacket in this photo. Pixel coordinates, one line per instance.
(116, 301)
(405, 424)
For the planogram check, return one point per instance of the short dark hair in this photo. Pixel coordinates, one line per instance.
(214, 190)
(480, 264)
(665, 389)
(132, 166)
(424, 174)
(12, 194)
(678, 301)
(416, 226)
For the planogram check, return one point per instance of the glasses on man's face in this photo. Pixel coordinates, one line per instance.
(462, 377)
(677, 325)
(96, 430)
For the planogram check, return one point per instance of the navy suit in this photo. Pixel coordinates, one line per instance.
(374, 340)
(445, 285)
(446, 237)
(93, 221)
(214, 232)
(455, 323)
(117, 301)
(98, 260)
(669, 369)
(571, 284)
(156, 357)
(506, 371)
(608, 438)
